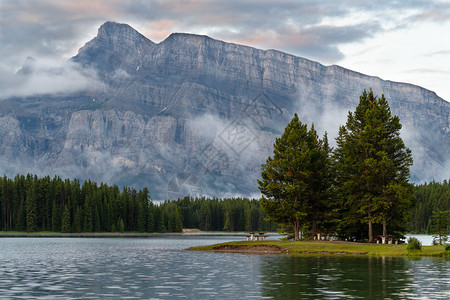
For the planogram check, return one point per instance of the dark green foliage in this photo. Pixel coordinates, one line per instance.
(30, 203)
(413, 245)
(431, 213)
(37, 204)
(22, 218)
(297, 179)
(372, 166)
(31, 212)
(78, 221)
(440, 226)
(151, 219)
(120, 225)
(66, 224)
(174, 223)
(160, 222)
(56, 217)
(212, 214)
(447, 247)
(107, 207)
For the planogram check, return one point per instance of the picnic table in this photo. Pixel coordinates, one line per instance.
(324, 236)
(386, 239)
(260, 236)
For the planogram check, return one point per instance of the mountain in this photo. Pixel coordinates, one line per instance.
(194, 115)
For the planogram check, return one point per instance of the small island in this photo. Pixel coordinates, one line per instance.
(322, 248)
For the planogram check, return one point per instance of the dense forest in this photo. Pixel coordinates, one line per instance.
(29, 203)
(432, 208)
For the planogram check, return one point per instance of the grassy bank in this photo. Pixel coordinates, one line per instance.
(323, 248)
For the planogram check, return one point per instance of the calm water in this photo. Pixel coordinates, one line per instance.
(158, 268)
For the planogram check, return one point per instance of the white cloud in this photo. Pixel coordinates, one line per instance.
(40, 77)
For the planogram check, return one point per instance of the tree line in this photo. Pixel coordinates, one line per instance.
(229, 214)
(431, 213)
(29, 203)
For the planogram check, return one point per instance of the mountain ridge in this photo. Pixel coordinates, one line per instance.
(167, 110)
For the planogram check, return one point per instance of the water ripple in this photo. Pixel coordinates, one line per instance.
(160, 269)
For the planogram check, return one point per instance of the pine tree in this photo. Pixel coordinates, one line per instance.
(373, 164)
(175, 220)
(31, 210)
(56, 217)
(141, 217)
(227, 222)
(440, 226)
(88, 220)
(291, 183)
(78, 220)
(150, 219)
(22, 217)
(66, 225)
(120, 225)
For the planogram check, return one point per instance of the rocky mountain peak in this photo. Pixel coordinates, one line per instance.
(116, 46)
(116, 31)
(27, 67)
(180, 36)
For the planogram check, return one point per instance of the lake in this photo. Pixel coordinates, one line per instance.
(159, 268)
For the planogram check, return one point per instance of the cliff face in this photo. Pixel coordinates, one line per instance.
(193, 115)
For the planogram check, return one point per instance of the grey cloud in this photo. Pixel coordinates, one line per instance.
(435, 11)
(58, 28)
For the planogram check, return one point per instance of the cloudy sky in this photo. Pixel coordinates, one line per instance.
(404, 40)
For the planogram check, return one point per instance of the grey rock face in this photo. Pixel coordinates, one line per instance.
(193, 115)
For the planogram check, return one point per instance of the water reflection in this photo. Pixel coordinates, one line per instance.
(122, 268)
(353, 277)
(159, 268)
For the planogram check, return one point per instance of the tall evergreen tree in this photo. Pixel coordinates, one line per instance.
(22, 217)
(373, 163)
(291, 184)
(78, 220)
(31, 210)
(56, 217)
(440, 226)
(150, 218)
(66, 224)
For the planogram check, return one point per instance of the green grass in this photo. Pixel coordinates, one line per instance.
(333, 248)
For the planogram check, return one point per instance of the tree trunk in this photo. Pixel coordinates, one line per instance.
(296, 227)
(370, 229)
(314, 227)
(384, 228)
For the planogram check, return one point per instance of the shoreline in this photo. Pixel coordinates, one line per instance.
(115, 234)
(322, 248)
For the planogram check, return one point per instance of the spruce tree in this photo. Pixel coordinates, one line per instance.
(176, 225)
(66, 225)
(78, 220)
(294, 181)
(21, 217)
(56, 217)
(31, 210)
(151, 219)
(373, 163)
